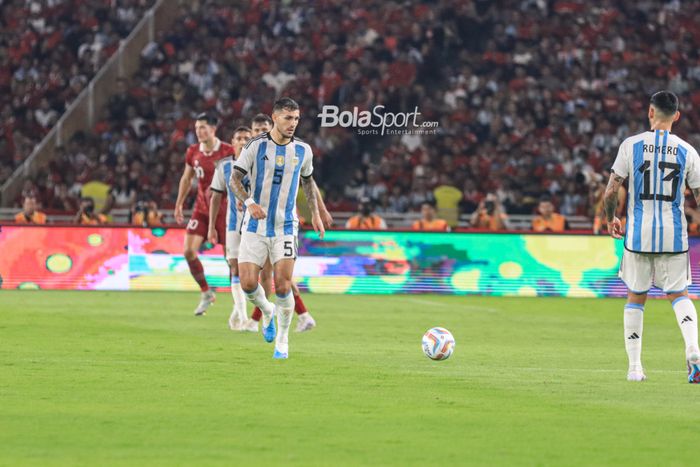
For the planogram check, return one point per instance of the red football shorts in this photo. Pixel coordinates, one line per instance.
(199, 225)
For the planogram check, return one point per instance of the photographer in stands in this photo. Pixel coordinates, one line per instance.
(146, 213)
(489, 215)
(86, 214)
(365, 220)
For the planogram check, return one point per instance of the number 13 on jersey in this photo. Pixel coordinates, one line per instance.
(667, 172)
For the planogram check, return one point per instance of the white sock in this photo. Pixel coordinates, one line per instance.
(634, 324)
(259, 298)
(687, 319)
(284, 307)
(239, 303)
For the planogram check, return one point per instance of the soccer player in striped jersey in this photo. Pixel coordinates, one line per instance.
(658, 165)
(275, 162)
(234, 219)
(262, 123)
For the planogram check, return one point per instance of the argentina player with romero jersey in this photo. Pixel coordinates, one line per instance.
(275, 163)
(658, 165)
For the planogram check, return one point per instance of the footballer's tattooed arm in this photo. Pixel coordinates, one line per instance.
(239, 191)
(610, 204)
(310, 190)
(696, 195)
(236, 184)
(610, 197)
(309, 186)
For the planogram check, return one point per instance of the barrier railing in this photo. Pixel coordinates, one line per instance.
(393, 220)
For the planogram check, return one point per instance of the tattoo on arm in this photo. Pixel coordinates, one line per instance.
(696, 194)
(237, 187)
(309, 187)
(610, 197)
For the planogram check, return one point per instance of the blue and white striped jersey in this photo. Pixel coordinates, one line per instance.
(220, 183)
(659, 165)
(274, 173)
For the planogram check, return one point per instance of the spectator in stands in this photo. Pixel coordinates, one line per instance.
(398, 200)
(489, 215)
(86, 215)
(375, 187)
(121, 196)
(429, 221)
(548, 220)
(29, 214)
(146, 213)
(45, 116)
(120, 102)
(365, 220)
(420, 193)
(355, 187)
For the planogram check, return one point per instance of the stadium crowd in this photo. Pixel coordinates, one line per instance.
(532, 98)
(49, 51)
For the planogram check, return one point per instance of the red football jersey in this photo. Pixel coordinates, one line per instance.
(204, 165)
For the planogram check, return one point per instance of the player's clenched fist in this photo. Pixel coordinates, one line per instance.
(256, 211)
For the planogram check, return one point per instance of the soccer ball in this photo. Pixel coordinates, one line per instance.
(438, 343)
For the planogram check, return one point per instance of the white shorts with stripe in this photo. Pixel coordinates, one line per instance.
(668, 272)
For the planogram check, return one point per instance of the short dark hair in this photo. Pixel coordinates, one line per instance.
(207, 117)
(285, 103)
(242, 128)
(262, 118)
(665, 102)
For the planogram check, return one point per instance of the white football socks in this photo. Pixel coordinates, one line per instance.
(259, 298)
(687, 319)
(239, 299)
(284, 307)
(634, 323)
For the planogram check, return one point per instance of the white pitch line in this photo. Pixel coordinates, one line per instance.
(423, 301)
(590, 370)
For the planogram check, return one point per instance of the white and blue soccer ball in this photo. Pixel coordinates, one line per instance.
(438, 344)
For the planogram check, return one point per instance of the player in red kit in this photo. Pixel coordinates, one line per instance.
(200, 162)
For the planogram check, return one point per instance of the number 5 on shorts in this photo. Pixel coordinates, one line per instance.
(288, 250)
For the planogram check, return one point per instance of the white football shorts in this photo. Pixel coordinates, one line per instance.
(669, 272)
(233, 243)
(257, 248)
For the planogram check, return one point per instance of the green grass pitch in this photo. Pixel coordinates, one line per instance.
(98, 378)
